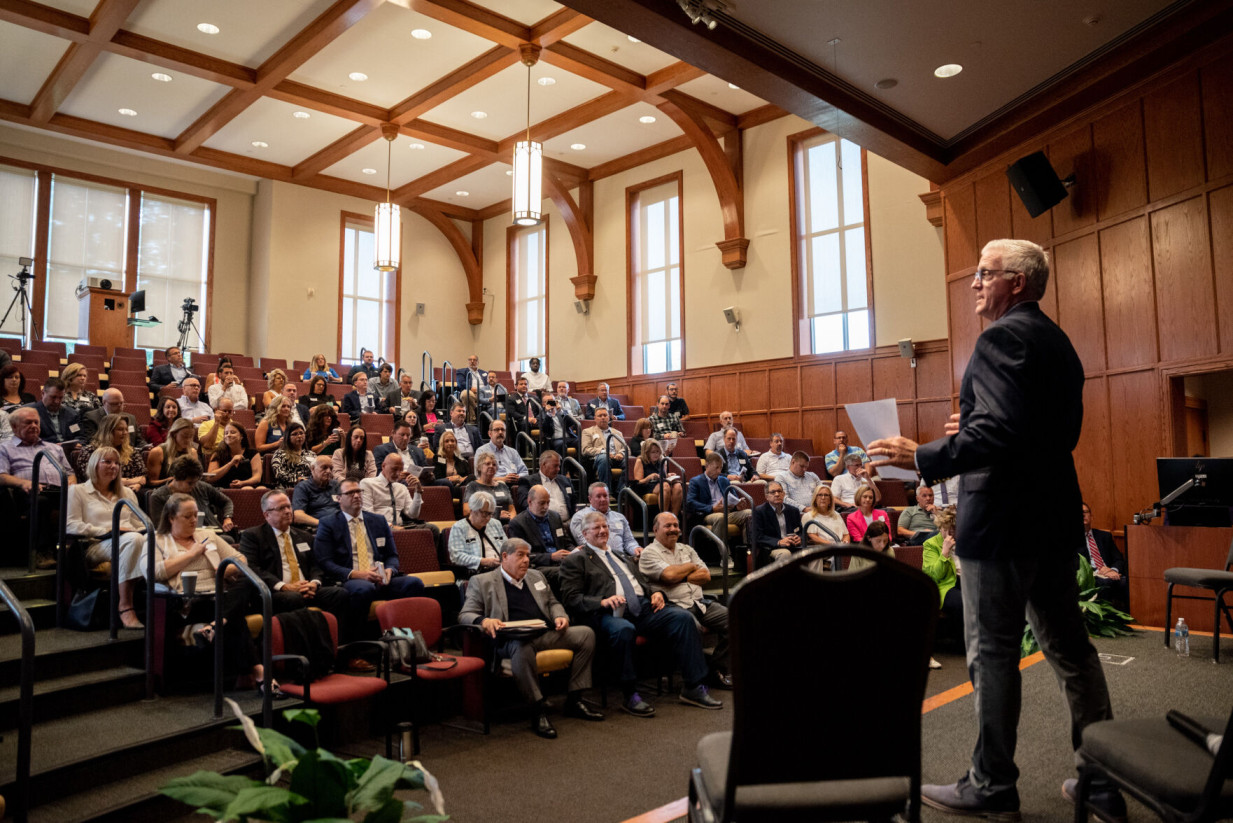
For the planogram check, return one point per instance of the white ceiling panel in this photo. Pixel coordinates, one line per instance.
(81, 8)
(406, 163)
(710, 89)
(616, 135)
(610, 44)
(26, 59)
(249, 33)
(397, 64)
(526, 12)
(166, 109)
(484, 187)
(503, 98)
(290, 139)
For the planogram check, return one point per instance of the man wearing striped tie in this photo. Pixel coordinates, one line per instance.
(1107, 562)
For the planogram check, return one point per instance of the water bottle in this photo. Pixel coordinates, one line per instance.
(1181, 638)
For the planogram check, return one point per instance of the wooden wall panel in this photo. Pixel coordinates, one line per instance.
(1217, 83)
(756, 424)
(853, 382)
(1120, 180)
(697, 393)
(892, 377)
(1130, 310)
(818, 384)
(1173, 135)
(932, 375)
(931, 419)
(1220, 210)
(842, 423)
(784, 387)
(959, 210)
(725, 392)
(821, 424)
(1135, 413)
(1073, 154)
(992, 208)
(1048, 301)
(1092, 457)
(755, 390)
(1185, 297)
(907, 420)
(1037, 229)
(787, 421)
(964, 326)
(1076, 274)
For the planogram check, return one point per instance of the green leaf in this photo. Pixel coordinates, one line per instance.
(268, 802)
(324, 780)
(390, 812)
(356, 766)
(1085, 576)
(378, 783)
(280, 748)
(310, 716)
(209, 792)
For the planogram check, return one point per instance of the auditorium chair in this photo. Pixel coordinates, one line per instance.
(41, 358)
(58, 349)
(245, 418)
(269, 363)
(377, 423)
(1218, 582)
(85, 349)
(247, 504)
(747, 774)
(438, 506)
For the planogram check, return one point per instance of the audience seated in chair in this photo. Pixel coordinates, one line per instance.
(487, 481)
(192, 407)
(393, 494)
(405, 399)
(510, 465)
(595, 445)
(234, 464)
(549, 536)
(603, 401)
(706, 495)
(715, 441)
(538, 382)
(555, 429)
(776, 526)
(865, 513)
(619, 533)
(14, 385)
(677, 404)
(210, 433)
(90, 507)
(560, 490)
(275, 380)
(652, 476)
(1108, 564)
(354, 459)
(324, 436)
(112, 403)
(642, 432)
(666, 426)
(226, 384)
(366, 367)
(166, 413)
(361, 399)
(450, 467)
(606, 590)
(291, 462)
(404, 445)
(520, 415)
(181, 441)
(16, 472)
(77, 396)
(918, 523)
(113, 433)
(876, 538)
(775, 460)
(737, 466)
(318, 367)
(939, 561)
(475, 540)
(58, 422)
(798, 481)
(385, 387)
(836, 459)
(316, 498)
(472, 380)
(568, 404)
(821, 510)
(278, 416)
(317, 395)
(516, 592)
(845, 485)
(466, 438)
(214, 507)
(430, 421)
(171, 373)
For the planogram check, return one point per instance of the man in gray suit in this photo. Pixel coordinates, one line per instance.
(514, 592)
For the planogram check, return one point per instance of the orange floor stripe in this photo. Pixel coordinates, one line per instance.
(675, 810)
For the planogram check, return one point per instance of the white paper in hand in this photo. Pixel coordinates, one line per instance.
(876, 420)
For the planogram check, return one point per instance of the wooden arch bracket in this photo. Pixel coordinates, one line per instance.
(578, 216)
(724, 163)
(468, 253)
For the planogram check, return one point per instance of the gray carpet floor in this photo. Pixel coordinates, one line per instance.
(625, 766)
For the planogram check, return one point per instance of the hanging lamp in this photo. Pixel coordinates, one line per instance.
(528, 159)
(387, 221)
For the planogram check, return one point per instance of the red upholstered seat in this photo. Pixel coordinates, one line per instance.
(438, 505)
(466, 666)
(334, 687)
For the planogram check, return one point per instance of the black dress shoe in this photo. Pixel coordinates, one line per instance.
(580, 709)
(722, 680)
(543, 727)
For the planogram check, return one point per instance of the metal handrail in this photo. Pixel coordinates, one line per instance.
(151, 549)
(488, 418)
(267, 631)
(613, 434)
(834, 561)
(646, 512)
(577, 424)
(724, 557)
(447, 384)
(35, 487)
(432, 384)
(25, 705)
(534, 447)
(582, 478)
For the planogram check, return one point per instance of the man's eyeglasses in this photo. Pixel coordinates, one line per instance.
(985, 275)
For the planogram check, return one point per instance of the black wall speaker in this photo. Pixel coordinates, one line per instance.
(1037, 183)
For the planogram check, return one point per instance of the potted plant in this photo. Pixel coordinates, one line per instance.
(1103, 619)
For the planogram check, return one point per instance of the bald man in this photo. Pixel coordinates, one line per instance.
(112, 403)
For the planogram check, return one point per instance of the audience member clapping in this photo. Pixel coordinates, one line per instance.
(181, 441)
(865, 514)
(76, 396)
(14, 383)
(486, 481)
(234, 464)
(354, 460)
(274, 424)
(822, 511)
(168, 412)
(291, 462)
(324, 436)
(320, 368)
(113, 433)
(651, 475)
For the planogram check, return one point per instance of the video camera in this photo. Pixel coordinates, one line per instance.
(189, 306)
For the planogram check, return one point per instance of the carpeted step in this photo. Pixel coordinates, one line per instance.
(26, 586)
(42, 612)
(81, 691)
(63, 652)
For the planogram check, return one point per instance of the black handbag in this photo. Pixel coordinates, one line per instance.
(88, 611)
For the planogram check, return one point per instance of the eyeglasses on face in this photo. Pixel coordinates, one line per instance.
(985, 275)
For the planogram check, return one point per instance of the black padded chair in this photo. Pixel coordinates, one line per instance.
(858, 764)
(1172, 773)
(1218, 582)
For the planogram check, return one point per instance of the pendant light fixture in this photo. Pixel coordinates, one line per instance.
(388, 224)
(528, 158)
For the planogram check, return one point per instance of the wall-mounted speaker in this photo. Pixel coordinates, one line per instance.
(1037, 183)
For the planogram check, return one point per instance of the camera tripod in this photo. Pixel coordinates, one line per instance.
(185, 326)
(21, 302)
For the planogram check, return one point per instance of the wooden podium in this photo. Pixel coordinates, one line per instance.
(1152, 549)
(102, 318)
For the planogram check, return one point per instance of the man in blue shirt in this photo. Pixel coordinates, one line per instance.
(509, 463)
(316, 498)
(705, 498)
(835, 458)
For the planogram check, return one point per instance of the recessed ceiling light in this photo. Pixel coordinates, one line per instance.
(421, 34)
(546, 81)
(632, 39)
(949, 70)
(301, 115)
(646, 118)
(160, 77)
(260, 144)
(886, 83)
(479, 115)
(368, 171)
(461, 193)
(734, 86)
(128, 112)
(577, 146)
(358, 76)
(207, 28)
(417, 145)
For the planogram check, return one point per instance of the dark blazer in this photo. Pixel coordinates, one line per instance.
(698, 494)
(333, 545)
(351, 405)
(385, 449)
(571, 430)
(1020, 407)
(265, 556)
(748, 469)
(67, 417)
(1108, 551)
(372, 371)
(486, 597)
(473, 432)
(585, 581)
(524, 527)
(94, 418)
(523, 489)
(461, 465)
(766, 525)
(614, 408)
(161, 376)
(517, 409)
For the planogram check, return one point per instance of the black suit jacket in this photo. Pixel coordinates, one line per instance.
(523, 526)
(332, 549)
(517, 409)
(473, 432)
(523, 489)
(585, 581)
(1021, 408)
(94, 418)
(766, 525)
(68, 418)
(385, 449)
(161, 376)
(351, 405)
(260, 546)
(1108, 551)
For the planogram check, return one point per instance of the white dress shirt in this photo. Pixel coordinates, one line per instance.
(393, 501)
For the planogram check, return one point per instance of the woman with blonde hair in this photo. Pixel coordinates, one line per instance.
(90, 507)
(318, 367)
(821, 510)
(113, 432)
(272, 427)
(76, 395)
(275, 379)
(181, 440)
(649, 476)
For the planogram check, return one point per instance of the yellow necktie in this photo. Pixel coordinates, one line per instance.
(362, 554)
(293, 565)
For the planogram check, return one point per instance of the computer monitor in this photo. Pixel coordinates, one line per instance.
(1209, 504)
(137, 302)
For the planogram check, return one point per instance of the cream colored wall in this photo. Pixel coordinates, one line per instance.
(1217, 389)
(233, 217)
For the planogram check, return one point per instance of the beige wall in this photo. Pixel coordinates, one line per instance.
(1217, 389)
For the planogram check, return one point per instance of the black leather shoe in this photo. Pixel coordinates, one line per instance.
(698, 696)
(580, 709)
(543, 727)
(638, 707)
(1105, 802)
(722, 680)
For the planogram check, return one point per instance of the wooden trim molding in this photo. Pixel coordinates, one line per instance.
(933, 207)
(579, 219)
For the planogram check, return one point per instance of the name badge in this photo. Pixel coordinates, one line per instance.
(380, 542)
(335, 497)
(540, 585)
(73, 427)
(132, 429)
(560, 532)
(302, 547)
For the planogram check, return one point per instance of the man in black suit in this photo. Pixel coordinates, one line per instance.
(283, 557)
(560, 490)
(360, 400)
(1107, 561)
(170, 373)
(1020, 408)
(57, 422)
(519, 413)
(550, 539)
(776, 526)
(112, 403)
(468, 437)
(400, 442)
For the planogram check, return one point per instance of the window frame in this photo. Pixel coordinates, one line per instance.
(632, 334)
(796, 147)
(395, 320)
(42, 232)
(512, 234)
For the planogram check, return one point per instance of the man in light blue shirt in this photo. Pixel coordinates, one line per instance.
(620, 535)
(509, 464)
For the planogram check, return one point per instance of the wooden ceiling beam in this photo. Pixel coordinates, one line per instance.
(327, 102)
(173, 58)
(45, 19)
(580, 221)
(594, 68)
(450, 138)
(340, 149)
(466, 256)
(443, 175)
(760, 115)
(721, 120)
(464, 77)
(561, 23)
(669, 77)
(294, 53)
(475, 20)
(638, 158)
